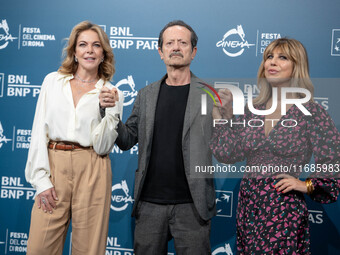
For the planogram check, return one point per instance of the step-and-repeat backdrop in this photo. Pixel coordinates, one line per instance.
(232, 37)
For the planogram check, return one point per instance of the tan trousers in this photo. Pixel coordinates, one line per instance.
(82, 181)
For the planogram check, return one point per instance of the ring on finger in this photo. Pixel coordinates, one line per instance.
(43, 200)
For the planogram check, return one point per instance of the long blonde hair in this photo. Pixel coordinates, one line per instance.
(296, 52)
(106, 69)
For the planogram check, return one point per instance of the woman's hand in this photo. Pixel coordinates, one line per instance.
(224, 111)
(289, 183)
(108, 98)
(46, 200)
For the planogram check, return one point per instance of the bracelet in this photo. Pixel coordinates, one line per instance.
(310, 187)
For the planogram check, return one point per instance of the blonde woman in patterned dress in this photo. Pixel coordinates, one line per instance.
(272, 216)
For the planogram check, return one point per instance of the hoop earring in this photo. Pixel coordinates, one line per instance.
(75, 59)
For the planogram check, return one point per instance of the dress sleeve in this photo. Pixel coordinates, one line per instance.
(37, 171)
(227, 143)
(325, 140)
(105, 134)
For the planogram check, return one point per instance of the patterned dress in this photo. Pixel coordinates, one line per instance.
(270, 222)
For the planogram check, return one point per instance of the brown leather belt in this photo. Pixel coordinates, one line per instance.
(66, 146)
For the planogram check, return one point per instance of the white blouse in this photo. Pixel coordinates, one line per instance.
(57, 119)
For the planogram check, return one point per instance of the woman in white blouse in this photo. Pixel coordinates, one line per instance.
(68, 162)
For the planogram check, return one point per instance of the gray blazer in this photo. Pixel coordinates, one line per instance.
(197, 131)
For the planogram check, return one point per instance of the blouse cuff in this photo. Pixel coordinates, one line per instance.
(44, 184)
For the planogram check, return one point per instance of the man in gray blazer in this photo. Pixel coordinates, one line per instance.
(171, 199)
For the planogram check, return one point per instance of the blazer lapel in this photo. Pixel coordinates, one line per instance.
(193, 104)
(151, 98)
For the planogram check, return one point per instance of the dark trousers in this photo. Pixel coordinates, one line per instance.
(156, 224)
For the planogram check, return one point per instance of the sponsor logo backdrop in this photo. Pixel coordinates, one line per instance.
(232, 37)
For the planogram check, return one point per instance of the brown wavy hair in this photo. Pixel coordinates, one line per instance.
(106, 69)
(296, 52)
